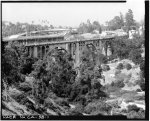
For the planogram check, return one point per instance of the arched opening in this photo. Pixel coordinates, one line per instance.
(54, 49)
(91, 47)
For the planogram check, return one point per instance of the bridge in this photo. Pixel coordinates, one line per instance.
(39, 43)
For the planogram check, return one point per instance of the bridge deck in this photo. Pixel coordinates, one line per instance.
(68, 41)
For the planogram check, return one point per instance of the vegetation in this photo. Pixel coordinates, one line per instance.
(135, 113)
(57, 68)
(89, 27)
(129, 19)
(120, 66)
(105, 67)
(18, 28)
(116, 23)
(88, 88)
(98, 107)
(118, 84)
(54, 83)
(128, 66)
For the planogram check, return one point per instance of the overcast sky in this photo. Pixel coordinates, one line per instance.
(70, 14)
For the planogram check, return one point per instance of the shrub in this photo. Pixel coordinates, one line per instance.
(26, 65)
(112, 57)
(120, 66)
(128, 66)
(78, 110)
(118, 84)
(62, 102)
(105, 67)
(25, 87)
(117, 72)
(105, 60)
(140, 114)
(97, 107)
(133, 108)
(57, 67)
(133, 115)
(87, 88)
(19, 97)
(141, 83)
(142, 68)
(135, 56)
(138, 90)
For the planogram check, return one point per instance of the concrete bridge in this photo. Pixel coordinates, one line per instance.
(39, 45)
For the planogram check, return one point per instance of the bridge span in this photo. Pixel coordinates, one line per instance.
(39, 45)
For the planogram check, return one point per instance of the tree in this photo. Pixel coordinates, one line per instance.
(135, 56)
(56, 69)
(97, 26)
(129, 19)
(87, 87)
(116, 23)
(51, 26)
(121, 19)
(11, 63)
(89, 27)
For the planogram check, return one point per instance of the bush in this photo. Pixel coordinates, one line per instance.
(19, 97)
(140, 114)
(57, 67)
(142, 68)
(133, 115)
(105, 60)
(62, 102)
(78, 110)
(97, 107)
(141, 83)
(122, 47)
(133, 108)
(135, 56)
(25, 87)
(87, 88)
(128, 66)
(120, 66)
(117, 72)
(118, 84)
(112, 57)
(26, 66)
(105, 67)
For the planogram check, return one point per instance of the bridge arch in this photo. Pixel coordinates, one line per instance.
(54, 49)
(91, 46)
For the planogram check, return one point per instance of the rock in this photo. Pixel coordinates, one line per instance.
(51, 112)
(16, 108)
(31, 100)
(112, 75)
(72, 106)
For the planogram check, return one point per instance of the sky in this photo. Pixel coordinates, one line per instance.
(70, 14)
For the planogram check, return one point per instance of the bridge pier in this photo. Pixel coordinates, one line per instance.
(35, 53)
(77, 54)
(67, 47)
(40, 52)
(31, 51)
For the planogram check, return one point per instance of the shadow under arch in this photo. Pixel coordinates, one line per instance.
(91, 46)
(55, 49)
(97, 55)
